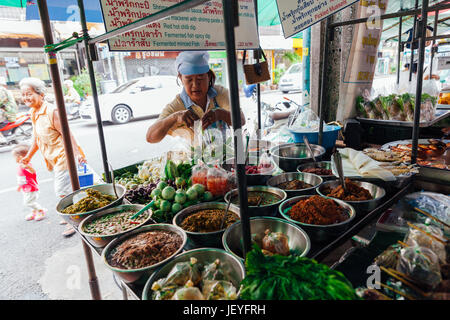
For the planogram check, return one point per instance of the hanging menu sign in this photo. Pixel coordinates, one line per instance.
(297, 15)
(198, 28)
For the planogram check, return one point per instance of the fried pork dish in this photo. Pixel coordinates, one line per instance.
(354, 192)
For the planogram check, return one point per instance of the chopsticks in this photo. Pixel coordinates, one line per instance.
(399, 276)
(396, 291)
(426, 233)
(431, 217)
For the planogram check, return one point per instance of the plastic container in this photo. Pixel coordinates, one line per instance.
(330, 134)
(85, 176)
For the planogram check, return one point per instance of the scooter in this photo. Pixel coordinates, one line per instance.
(19, 131)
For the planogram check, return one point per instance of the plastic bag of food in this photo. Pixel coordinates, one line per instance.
(219, 290)
(421, 264)
(436, 204)
(389, 257)
(188, 293)
(418, 238)
(200, 174)
(275, 243)
(183, 272)
(212, 271)
(163, 293)
(217, 181)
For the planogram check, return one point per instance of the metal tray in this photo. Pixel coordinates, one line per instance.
(440, 114)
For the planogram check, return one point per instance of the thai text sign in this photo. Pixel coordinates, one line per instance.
(297, 15)
(198, 28)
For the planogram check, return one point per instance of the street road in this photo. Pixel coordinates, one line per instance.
(37, 262)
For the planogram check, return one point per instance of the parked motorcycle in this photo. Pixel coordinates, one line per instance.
(19, 131)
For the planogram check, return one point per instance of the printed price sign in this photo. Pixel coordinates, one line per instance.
(297, 15)
(198, 28)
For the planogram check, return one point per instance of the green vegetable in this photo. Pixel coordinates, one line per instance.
(180, 197)
(165, 205)
(168, 193)
(360, 106)
(207, 196)
(161, 185)
(199, 188)
(292, 278)
(171, 170)
(176, 207)
(192, 194)
(156, 193)
(180, 182)
(158, 216)
(190, 203)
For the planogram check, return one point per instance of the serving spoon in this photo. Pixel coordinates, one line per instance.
(225, 215)
(305, 139)
(338, 162)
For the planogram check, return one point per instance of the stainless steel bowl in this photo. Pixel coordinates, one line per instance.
(76, 218)
(253, 179)
(100, 241)
(309, 178)
(256, 211)
(320, 164)
(298, 240)
(361, 207)
(319, 233)
(232, 267)
(204, 239)
(289, 156)
(141, 275)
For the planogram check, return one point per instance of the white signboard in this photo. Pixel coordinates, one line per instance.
(199, 28)
(297, 15)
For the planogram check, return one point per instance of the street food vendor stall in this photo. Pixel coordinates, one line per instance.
(246, 224)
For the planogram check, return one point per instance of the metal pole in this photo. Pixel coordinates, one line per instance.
(258, 85)
(94, 94)
(59, 97)
(413, 38)
(306, 63)
(436, 15)
(422, 34)
(322, 82)
(399, 51)
(229, 17)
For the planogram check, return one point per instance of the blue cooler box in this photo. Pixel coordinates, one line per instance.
(330, 134)
(85, 176)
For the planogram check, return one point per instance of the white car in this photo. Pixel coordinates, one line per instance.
(291, 80)
(140, 97)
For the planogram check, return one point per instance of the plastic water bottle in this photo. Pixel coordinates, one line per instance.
(85, 176)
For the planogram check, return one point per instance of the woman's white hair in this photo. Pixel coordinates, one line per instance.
(36, 84)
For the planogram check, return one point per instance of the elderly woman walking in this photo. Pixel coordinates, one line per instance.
(48, 137)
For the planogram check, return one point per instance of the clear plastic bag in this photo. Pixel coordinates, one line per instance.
(307, 121)
(183, 272)
(219, 290)
(217, 181)
(200, 174)
(421, 264)
(389, 257)
(212, 271)
(275, 243)
(417, 238)
(188, 293)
